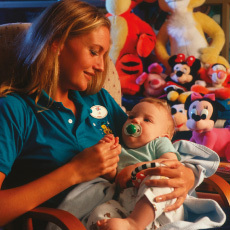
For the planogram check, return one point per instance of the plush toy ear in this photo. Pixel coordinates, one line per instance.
(155, 68)
(188, 102)
(171, 60)
(141, 79)
(197, 65)
(219, 106)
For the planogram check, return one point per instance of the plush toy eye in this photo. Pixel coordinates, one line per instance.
(186, 69)
(219, 67)
(204, 114)
(193, 112)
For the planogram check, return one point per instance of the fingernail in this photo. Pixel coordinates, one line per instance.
(158, 199)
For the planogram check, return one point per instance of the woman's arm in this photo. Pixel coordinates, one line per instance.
(85, 166)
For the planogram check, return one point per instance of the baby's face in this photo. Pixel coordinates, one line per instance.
(153, 121)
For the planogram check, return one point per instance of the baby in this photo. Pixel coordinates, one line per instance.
(146, 135)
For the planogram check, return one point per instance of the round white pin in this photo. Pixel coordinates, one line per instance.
(98, 111)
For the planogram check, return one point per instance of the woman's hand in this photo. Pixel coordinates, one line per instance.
(180, 178)
(100, 159)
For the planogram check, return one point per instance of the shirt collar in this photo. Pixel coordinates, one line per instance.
(83, 107)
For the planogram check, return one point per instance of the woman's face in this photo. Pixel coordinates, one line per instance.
(81, 57)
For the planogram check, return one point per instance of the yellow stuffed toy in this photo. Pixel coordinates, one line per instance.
(185, 31)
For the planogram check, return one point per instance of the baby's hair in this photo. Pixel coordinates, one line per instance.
(161, 103)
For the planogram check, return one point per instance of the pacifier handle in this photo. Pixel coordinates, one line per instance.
(133, 130)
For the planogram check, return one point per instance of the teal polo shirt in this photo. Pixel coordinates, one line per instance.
(35, 141)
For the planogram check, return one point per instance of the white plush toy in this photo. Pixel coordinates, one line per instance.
(185, 31)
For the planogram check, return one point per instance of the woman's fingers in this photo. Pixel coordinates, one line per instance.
(176, 205)
(178, 176)
(163, 171)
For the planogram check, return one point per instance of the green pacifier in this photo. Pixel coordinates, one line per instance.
(133, 130)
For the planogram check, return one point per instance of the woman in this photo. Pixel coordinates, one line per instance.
(52, 114)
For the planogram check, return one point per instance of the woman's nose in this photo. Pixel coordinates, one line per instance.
(99, 64)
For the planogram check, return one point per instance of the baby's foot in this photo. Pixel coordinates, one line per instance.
(117, 224)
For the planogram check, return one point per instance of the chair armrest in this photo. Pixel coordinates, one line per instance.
(61, 218)
(221, 186)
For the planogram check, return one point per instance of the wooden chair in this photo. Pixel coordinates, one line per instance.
(9, 36)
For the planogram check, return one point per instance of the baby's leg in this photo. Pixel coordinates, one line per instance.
(147, 214)
(108, 210)
(161, 217)
(140, 217)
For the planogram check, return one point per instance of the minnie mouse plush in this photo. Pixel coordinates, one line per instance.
(183, 75)
(202, 115)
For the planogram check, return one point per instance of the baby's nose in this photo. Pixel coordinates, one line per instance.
(135, 120)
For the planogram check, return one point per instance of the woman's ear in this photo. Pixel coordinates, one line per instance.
(56, 47)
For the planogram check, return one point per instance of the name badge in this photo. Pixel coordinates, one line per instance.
(98, 111)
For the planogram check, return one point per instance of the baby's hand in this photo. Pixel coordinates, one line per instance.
(109, 138)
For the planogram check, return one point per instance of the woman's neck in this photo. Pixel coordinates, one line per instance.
(63, 96)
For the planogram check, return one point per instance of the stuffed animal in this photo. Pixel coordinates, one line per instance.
(154, 82)
(132, 39)
(186, 33)
(184, 73)
(179, 115)
(202, 115)
(216, 79)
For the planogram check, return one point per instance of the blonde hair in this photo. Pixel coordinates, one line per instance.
(37, 67)
(161, 103)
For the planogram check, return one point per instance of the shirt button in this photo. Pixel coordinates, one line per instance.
(70, 121)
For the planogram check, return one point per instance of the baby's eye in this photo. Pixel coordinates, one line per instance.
(147, 120)
(94, 52)
(130, 117)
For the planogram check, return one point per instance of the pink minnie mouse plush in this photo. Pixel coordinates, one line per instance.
(202, 115)
(153, 81)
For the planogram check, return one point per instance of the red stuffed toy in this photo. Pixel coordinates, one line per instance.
(202, 115)
(216, 79)
(132, 39)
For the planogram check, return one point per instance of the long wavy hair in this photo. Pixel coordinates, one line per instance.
(37, 67)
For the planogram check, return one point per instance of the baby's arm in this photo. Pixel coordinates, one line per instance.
(169, 155)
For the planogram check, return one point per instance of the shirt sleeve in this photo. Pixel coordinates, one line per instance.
(12, 123)
(164, 145)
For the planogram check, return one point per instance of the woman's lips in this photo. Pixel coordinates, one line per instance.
(89, 75)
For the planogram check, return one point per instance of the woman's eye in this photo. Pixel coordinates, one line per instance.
(93, 52)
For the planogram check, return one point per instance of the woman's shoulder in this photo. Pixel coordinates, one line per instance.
(14, 102)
